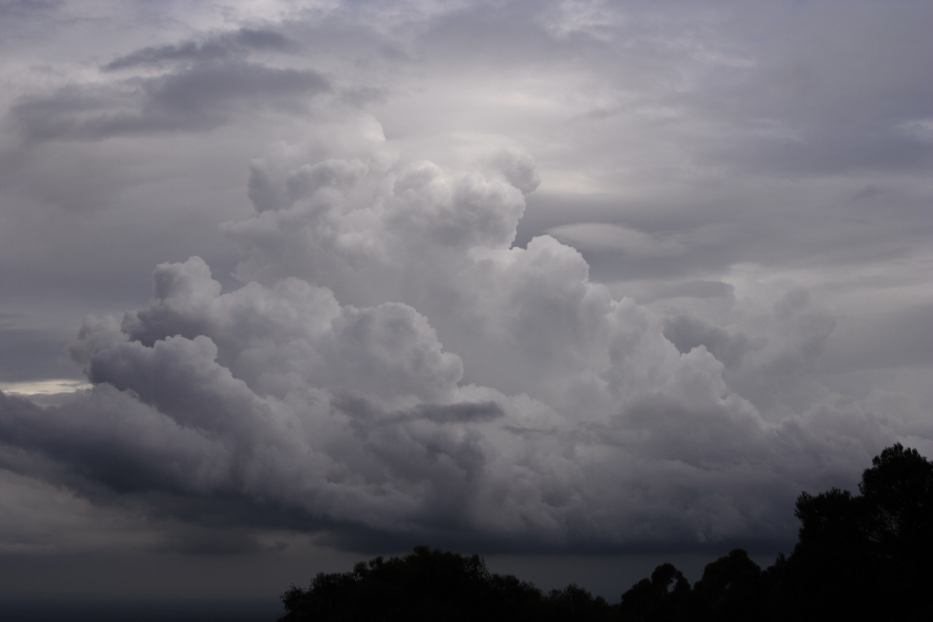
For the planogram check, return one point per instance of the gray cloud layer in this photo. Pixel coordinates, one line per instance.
(200, 97)
(552, 416)
(682, 311)
(214, 48)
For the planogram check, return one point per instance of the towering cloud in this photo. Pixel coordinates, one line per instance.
(391, 368)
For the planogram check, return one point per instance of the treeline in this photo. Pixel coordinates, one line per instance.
(866, 556)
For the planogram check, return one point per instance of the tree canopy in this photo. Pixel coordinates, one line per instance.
(864, 556)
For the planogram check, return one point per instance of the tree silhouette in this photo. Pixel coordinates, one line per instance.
(429, 585)
(865, 556)
(731, 589)
(662, 598)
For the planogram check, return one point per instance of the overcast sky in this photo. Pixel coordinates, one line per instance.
(293, 283)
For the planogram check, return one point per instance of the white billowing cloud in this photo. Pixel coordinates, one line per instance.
(391, 363)
(292, 330)
(522, 319)
(367, 230)
(771, 342)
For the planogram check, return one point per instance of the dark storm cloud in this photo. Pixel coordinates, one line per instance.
(75, 444)
(197, 540)
(83, 449)
(68, 436)
(583, 425)
(385, 367)
(214, 48)
(460, 413)
(453, 413)
(154, 474)
(197, 98)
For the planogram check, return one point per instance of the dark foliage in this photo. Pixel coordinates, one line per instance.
(866, 556)
(665, 596)
(731, 589)
(434, 585)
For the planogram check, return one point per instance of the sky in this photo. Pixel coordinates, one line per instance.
(288, 284)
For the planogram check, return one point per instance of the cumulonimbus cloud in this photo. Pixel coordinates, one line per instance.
(392, 365)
